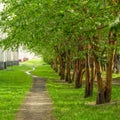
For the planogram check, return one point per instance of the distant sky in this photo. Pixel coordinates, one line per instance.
(1, 6)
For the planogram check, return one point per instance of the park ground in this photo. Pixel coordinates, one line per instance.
(68, 103)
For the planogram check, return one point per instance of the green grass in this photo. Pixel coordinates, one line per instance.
(116, 75)
(14, 85)
(69, 103)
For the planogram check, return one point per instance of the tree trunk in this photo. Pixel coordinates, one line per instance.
(55, 66)
(79, 73)
(101, 89)
(88, 84)
(62, 66)
(117, 63)
(100, 95)
(74, 70)
(93, 75)
(68, 75)
(109, 66)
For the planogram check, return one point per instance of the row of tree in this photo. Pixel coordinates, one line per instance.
(78, 37)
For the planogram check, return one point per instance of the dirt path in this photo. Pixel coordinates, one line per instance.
(116, 81)
(37, 104)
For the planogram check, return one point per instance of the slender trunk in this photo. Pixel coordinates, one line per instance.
(117, 63)
(60, 68)
(109, 66)
(110, 59)
(55, 66)
(81, 76)
(74, 71)
(79, 73)
(68, 75)
(100, 95)
(93, 75)
(62, 65)
(87, 81)
(101, 89)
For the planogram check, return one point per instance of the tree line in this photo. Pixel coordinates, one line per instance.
(79, 38)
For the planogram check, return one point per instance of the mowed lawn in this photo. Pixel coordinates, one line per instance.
(69, 103)
(14, 85)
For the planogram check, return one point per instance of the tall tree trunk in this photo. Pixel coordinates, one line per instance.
(117, 63)
(80, 68)
(79, 73)
(93, 74)
(55, 66)
(100, 95)
(62, 65)
(101, 89)
(88, 84)
(109, 66)
(110, 59)
(68, 63)
(82, 71)
(60, 68)
(74, 70)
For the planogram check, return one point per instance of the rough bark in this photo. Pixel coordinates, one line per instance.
(116, 64)
(74, 70)
(68, 63)
(100, 95)
(93, 75)
(62, 65)
(60, 62)
(109, 66)
(79, 73)
(98, 69)
(55, 66)
(88, 81)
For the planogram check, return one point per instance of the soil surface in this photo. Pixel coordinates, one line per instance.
(37, 104)
(115, 81)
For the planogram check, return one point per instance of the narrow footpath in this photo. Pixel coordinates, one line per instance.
(37, 104)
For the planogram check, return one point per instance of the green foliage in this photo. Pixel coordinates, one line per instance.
(115, 26)
(43, 25)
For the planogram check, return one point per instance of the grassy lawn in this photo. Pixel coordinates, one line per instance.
(69, 103)
(14, 84)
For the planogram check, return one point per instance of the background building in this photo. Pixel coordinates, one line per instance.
(25, 54)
